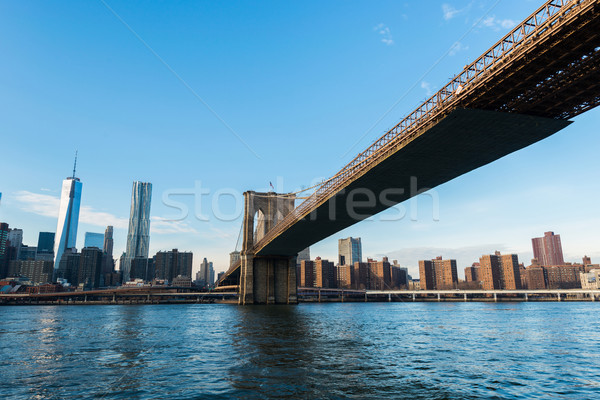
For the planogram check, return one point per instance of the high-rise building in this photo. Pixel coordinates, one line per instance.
(206, 275)
(68, 217)
(3, 237)
(108, 241)
(90, 267)
(438, 274)
(15, 237)
(380, 274)
(303, 255)
(548, 249)
(500, 271)
(170, 264)
(307, 270)
(399, 276)
(27, 253)
(3, 250)
(93, 239)
(361, 275)
(350, 251)
(345, 276)
(142, 268)
(472, 273)
(68, 267)
(45, 247)
(324, 273)
(138, 236)
(510, 273)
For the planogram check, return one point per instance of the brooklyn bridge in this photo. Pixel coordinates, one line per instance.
(526, 87)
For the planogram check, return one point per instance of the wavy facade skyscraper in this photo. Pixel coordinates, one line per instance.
(138, 237)
(68, 217)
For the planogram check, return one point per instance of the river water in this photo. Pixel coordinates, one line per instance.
(341, 350)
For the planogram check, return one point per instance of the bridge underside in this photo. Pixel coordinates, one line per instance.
(461, 142)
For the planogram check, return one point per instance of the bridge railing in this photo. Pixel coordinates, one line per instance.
(436, 106)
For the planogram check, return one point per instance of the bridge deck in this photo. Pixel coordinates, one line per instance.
(459, 143)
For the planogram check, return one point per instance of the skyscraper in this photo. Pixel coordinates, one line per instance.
(206, 275)
(68, 216)
(350, 251)
(93, 239)
(138, 236)
(108, 241)
(45, 242)
(548, 249)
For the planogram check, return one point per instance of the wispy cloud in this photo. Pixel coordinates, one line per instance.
(497, 24)
(449, 11)
(456, 48)
(47, 205)
(427, 87)
(37, 203)
(385, 33)
(160, 225)
(88, 215)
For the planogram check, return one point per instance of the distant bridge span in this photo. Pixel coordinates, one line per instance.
(523, 89)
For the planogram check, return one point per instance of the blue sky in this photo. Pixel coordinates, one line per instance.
(234, 96)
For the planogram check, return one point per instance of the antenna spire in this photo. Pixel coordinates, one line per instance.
(75, 164)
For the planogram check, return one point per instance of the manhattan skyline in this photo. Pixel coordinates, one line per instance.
(281, 115)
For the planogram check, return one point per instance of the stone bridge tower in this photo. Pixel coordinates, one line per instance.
(265, 279)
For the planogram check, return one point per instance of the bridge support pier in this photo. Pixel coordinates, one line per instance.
(268, 280)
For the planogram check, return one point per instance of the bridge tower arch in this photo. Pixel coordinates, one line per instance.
(265, 279)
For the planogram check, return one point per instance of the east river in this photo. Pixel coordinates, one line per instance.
(343, 350)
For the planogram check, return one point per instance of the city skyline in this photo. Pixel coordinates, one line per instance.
(336, 115)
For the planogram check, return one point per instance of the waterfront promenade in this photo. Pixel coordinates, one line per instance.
(174, 295)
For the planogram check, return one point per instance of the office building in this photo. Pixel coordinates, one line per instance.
(548, 249)
(93, 239)
(3, 249)
(68, 268)
(68, 217)
(142, 268)
(107, 247)
(90, 267)
(15, 237)
(45, 246)
(27, 253)
(206, 275)
(349, 251)
(138, 236)
(4, 229)
(303, 255)
(170, 264)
